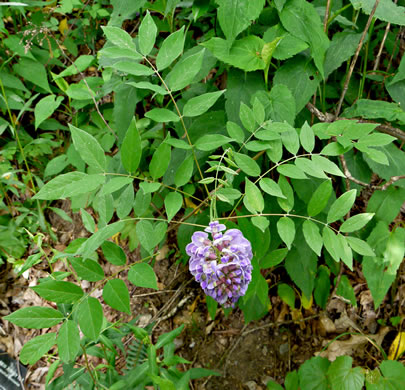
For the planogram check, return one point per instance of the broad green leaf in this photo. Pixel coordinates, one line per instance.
(271, 187)
(376, 139)
(177, 143)
(131, 149)
(333, 149)
(200, 104)
(258, 111)
(160, 161)
(142, 275)
(286, 203)
(313, 374)
(274, 258)
(341, 206)
(307, 137)
(287, 294)
(267, 135)
(150, 235)
(282, 103)
(345, 252)
(393, 376)
(87, 269)
(327, 165)
(114, 52)
(301, 79)
(290, 170)
(59, 291)
(344, 376)
(184, 171)
(113, 253)
(244, 54)
(387, 10)
(211, 142)
(346, 291)
(35, 317)
(173, 202)
(273, 385)
(115, 184)
(45, 108)
(360, 246)
(68, 341)
(69, 184)
(162, 115)
(119, 37)
(247, 164)
(134, 68)
(322, 286)
(116, 295)
(171, 48)
(184, 71)
(92, 243)
(88, 221)
(342, 48)
(287, 45)
(253, 199)
(37, 347)
(234, 16)
(356, 222)
(90, 317)
(32, 71)
(147, 34)
(89, 149)
(286, 230)
(301, 20)
(125, 202)
(312, 236)
(320, 198)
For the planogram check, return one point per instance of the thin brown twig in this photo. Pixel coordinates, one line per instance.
(354, 60)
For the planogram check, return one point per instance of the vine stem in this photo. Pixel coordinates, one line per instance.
(181, 120)
(354, 60)
(280, 215)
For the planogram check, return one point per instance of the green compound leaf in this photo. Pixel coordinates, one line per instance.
(68, 341)
(173, 202)
(247, 164)
(147, 34)
(150, 235)
(87, 269)
(142, 275)
(90, 317)
(89, 149)
(37, 347)
(343, 376)
(211, 142)
(113, 253)
(307, 138)
(360, 246)
(184, 171)
(45, 108)
(160, 161)
(185, 70)
(271, 187)
(162, 115)
(69, 184)
(131, 149)
(35, 317)
(312, 236)
(320, 198)
(116, 295)
(286, 230)
(356, 222)
(341, 206)
(120, 38)
(253, 199)
(59, 291)
(200, 104)
(171, 48)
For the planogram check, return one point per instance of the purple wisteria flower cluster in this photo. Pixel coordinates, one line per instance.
(222, 265)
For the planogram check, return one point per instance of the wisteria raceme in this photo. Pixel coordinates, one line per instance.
(222, 265)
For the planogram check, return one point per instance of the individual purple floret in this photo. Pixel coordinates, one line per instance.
(222, 265)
